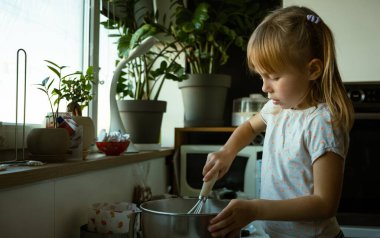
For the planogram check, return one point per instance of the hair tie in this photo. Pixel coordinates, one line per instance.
(313, 19)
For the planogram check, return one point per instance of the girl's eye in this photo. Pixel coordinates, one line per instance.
(274, 78)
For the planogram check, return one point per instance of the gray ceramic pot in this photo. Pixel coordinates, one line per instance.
(168, 218)
(204, 99)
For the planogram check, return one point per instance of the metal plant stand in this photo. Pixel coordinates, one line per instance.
(23, 123)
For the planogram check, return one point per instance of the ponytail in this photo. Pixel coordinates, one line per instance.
(333, 91)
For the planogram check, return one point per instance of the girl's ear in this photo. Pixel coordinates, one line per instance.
(315, 68)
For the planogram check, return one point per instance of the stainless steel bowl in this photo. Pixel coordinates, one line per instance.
(169, 218)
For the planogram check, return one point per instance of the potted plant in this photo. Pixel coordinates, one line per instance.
(50, 143)
(208, 30)
(147, 57)
(76, 89)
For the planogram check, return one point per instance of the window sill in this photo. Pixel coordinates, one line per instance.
(20, 175)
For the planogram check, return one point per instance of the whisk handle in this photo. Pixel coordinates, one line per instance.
(207, 186)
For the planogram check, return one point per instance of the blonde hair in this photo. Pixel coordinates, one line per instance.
(287, 38)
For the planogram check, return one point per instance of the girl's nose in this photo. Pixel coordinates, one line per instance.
(266, 87)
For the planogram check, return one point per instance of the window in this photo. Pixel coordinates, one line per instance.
(46, 30)
(107, 57)
(58, 31)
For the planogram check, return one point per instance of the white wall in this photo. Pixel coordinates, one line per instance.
(355, 24)
(174, 112)
(174, 115)
(57, 208)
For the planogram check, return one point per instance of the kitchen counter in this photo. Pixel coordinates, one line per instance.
(52, 200)
(20, 175)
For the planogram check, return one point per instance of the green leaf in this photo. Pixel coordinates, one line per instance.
(200, 15)
(52, 63)
(51, 82)
(45, 81)
(55, 71)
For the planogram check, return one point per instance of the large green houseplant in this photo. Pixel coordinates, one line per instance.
(205, 35)
(208, 31)
(147, 57)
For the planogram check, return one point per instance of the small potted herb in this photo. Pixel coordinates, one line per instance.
(76, 89)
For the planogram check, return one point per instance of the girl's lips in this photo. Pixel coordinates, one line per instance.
(276, 101)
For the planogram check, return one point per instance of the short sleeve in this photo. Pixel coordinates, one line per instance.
(268, 111)
(322, 137)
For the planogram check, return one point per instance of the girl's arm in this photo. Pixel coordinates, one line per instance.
(323, 203)
(219, 162)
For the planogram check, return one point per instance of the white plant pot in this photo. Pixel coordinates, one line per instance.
(88, 132)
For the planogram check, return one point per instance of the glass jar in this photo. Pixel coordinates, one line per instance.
(244, 108)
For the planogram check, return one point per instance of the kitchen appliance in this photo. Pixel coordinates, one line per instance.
(238, 182)
(359, 210)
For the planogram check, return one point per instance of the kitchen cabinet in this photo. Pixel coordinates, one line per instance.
(53, 200)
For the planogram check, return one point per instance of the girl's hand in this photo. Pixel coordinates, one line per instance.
(220, 161)
(236, 215)
(217, 163)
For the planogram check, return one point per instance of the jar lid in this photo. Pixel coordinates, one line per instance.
(243, 99)
(258, 97)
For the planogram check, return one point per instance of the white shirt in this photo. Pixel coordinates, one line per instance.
(294, 139)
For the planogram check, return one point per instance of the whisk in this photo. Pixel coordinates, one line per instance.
(203, 195)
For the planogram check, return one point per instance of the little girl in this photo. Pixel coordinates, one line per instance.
(306, 124)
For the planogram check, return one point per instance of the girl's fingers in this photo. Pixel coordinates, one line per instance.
(208, 166)
(221, 223)
(223, 228)
(210, 174)
(224, 214)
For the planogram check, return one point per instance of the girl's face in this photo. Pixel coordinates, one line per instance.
(288, 88)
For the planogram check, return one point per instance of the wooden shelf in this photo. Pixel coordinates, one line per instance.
(19, 175)
(201, 135)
